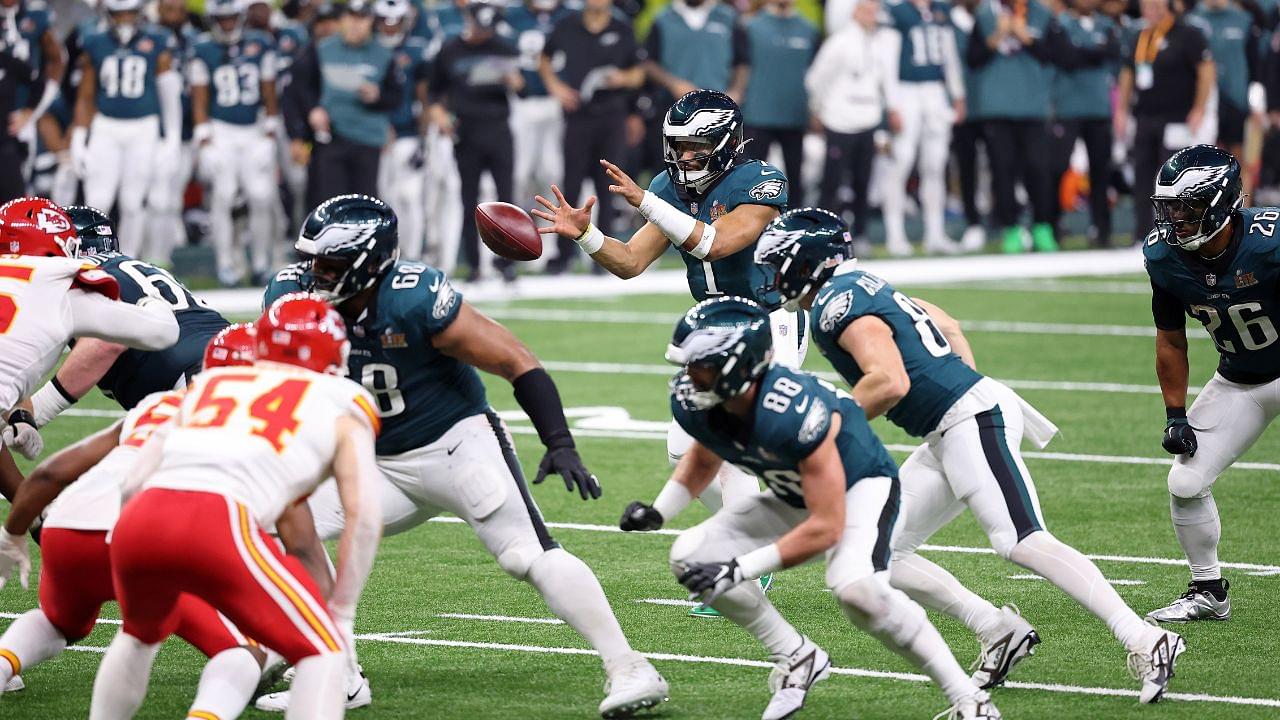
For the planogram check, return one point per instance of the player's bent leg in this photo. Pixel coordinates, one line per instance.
(399, 512)
(27, 642)
(121, 683)
(226, 685)
(318, 687)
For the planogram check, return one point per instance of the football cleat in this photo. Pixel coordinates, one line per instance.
(358, 693)
(792, 676)
(977, 706)
(1196, 603)
(1015, 640)
(1155, 667)
(14, 685)
(632, 686)
(974, 239)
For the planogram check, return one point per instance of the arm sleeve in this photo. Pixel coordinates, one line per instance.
(1166, 309)
(150, 326)
(1052, 47)
(197, 72)
(741, 46)
(269, 65)
(446, 303)
(953, 72)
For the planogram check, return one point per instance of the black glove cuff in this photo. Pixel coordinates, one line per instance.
(538, 397)
(22, 415)
(1175, 413)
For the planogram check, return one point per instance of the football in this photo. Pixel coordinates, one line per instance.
(508, 231)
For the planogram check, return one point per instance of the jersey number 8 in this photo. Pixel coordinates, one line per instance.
(236, 85)
(123, 76)
(930, 336)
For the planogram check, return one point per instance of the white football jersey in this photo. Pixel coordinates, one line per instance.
(36, 318)
(93, 501)
(262, 435)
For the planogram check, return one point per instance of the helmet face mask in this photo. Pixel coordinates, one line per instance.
(701, 139)
(1196, 193)
(350, 242)
(94, 231)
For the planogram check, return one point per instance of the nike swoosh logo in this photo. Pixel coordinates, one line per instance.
(768, 172)
(455, 447)
(352, 696)
(824, 298)
(803, 405)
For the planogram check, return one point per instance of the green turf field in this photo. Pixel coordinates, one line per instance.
(1089, 367)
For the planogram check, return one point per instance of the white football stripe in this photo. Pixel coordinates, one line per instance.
(501, 618)
(1113, 582)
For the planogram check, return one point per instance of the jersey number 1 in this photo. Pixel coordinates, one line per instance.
(276, 408)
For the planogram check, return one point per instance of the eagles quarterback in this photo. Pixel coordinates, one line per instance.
(833, 489)
(712, 204)
(908, 360)
(1219, 262)
(123, 374)
(416, 346)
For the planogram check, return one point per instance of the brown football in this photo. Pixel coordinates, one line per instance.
(508, 231)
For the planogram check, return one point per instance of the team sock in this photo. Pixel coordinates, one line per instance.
(122, 679)
(746, 606)
(226, 685)
(1198, 527)
(574, 595)
(29, 641)
(318, 688)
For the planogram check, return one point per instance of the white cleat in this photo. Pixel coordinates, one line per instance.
(941, 246)
(974, 239)
(792, 676)
(358, 693)
(14, 685)
(975, 707)
(1015, 640)
(1194, 604)
(632, 686)
(899, 248)
(1154, 667)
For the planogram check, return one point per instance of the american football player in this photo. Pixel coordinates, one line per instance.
(929, 98)
(48, 298)
(246, 445)
(908, 360)
(416, 345)
(232, 72)
(403, 169)
(536, 117)
(832, 488)
(75, 569)
(175, 164)
(711, 203)
(1215, 260)
(123, 374)
(129, 90)
(26, 31)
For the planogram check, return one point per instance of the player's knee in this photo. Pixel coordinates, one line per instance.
(1186, 482)
(684, 549)
(1003, 542)
(516, 559)
(883, 612)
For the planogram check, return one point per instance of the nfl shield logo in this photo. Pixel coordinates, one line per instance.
(693, 208)
(1210, 279)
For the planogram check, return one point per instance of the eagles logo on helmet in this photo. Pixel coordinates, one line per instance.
(1197, 191)
(729, 335)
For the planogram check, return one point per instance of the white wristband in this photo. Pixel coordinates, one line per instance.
(591, 239)
(48, 403)
(673, 223)
(704, 244)
(673, 498)
(760, 561)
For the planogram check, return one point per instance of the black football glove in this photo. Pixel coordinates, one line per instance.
(641, 517)
(564, 461)
(1179, 437)
(419, 157)
(708, 581)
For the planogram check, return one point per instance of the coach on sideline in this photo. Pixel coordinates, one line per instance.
(345, 88)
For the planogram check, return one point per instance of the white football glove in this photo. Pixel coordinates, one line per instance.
(13, 554)
(79, 151)
(21, 434)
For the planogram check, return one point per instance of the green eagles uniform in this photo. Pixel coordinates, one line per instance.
(421, 392)
(749, 182)
(938, 376)
(1235, 296)
(792, 417)
(138, 373)
(924, 35)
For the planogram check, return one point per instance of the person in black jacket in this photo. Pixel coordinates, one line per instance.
(14, 73)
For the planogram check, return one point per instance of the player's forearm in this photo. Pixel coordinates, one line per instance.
(692, 475)
(297, 531)
(1172, 370)
(879, 391)
(55, 63)
(85, 365)
(146, 326)
(10, 475)
(538, 396)
(616, 257)
(813, 536)
(270, 103)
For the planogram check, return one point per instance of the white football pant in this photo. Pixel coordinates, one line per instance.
(444, 204)
(404, 188)
(927, 117)
(240, 159)
(119, 159)
(169, 178)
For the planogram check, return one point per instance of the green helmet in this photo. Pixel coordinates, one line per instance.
(728, 334)
(1197, 191)
(708, 123)
(799, 251)
(351, 241)
(94, 229)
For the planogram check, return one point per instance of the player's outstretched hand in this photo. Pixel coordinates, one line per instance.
(565, 219)
(564, 461)
(623, 184)
(1179, 438)
(21, 434)
(640, 517)
(13, 554)
(708, 581)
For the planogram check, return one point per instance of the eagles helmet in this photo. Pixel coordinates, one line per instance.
(226, 20)
(1197, 191)
(351, 241)
(708, 124)
(799, 251)
(117, 10)
(729, 336)
(93, 227)
(393, 21)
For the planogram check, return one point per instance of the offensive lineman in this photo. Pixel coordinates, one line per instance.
(712, 205)
(894, 353)
(129, 90)
(75, 569)
(1214, 260)
(232, 71)
(123, 374)
(833, 489)
(416, 345)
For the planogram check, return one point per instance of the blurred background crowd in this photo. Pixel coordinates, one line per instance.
(209, 128)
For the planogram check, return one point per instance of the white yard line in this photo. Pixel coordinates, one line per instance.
(1113, 582)
(1074, 287)
(667, 601)
(501, 618)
